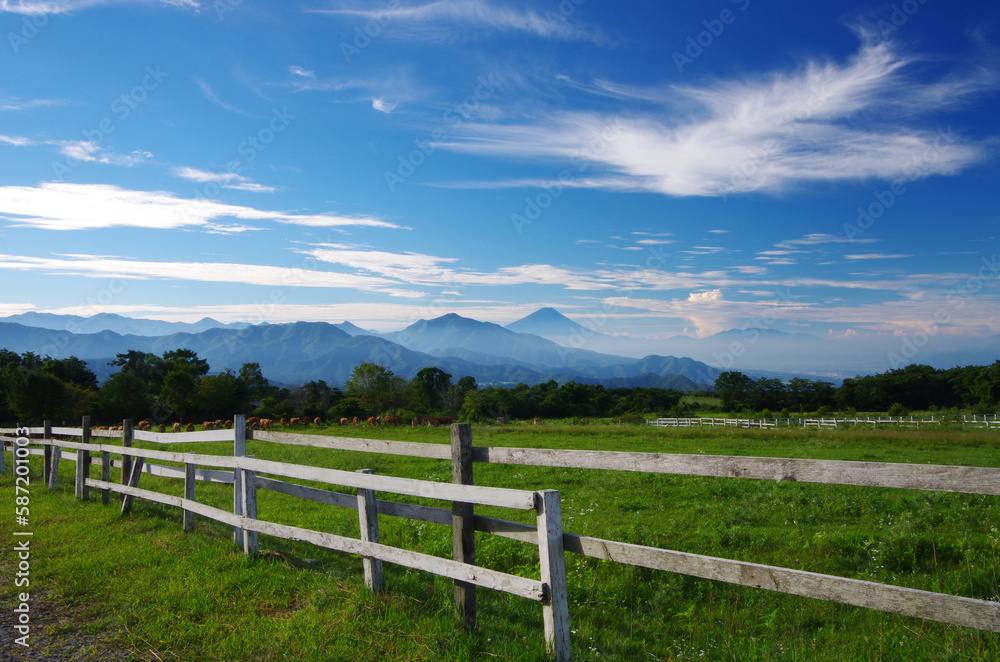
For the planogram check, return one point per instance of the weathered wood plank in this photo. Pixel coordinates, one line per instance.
(133, 481)
(385, 447)
(969, 480)
(251, 545)
(239, 450)
(368, 525)
(67, 432)
(184, 437)
(389, 508)
(85, 440)
(486, 496)
(190, 479)
(927, 605)
(53, 472)
(126, 459)
(463, 535)
(526, 588)
(105, 475)
(555, 607)
(309, 493)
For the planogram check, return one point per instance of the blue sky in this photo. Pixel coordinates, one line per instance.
(663, 168)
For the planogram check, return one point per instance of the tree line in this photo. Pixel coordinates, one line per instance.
(913, 388)
(177, 387)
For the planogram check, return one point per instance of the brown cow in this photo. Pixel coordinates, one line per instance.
(344, 421)
(371, 421)
(161, 428)
(293, 421)
(445, 420)
(316, 421)
(501, 420)
(176, 427)
(391, 419)
(356, 421)
(189, 427)
(208, 425)
(284, 422)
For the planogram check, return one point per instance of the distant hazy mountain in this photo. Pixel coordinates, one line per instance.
(303, 351)
(117, 323)
(549, 323)
(354, 330)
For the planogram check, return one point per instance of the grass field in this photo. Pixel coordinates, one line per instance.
(172, 596)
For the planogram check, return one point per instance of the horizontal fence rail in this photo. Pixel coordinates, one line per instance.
(956, 610)
(987, 422)
(550, 591)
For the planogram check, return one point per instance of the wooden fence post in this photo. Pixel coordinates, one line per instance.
(249, 499)
(105, 476)
(368, 521)
(126, 459)
(46, 457)
(133, 481)
(239, 450)
(83, 462)
(56, 454)
(189, 481)
(555, 607)
(462, 524)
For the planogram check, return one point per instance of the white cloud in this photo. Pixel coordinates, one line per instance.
(816, 239)
(702, 297)
(214, 98)
(825, 122)
(875, 256)
(91, 152)
(382, 105)
(41, 7)
(17, 141)
(56, 206)
(230, 180)
(98, 266)
(299, 71)
(17, 104)
(446, 19)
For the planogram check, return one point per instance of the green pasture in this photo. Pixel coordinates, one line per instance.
(143, 585)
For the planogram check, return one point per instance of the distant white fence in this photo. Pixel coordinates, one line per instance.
(988, 422)
(956, 610)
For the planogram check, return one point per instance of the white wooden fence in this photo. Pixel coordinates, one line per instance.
(956, 610)
(243, 472)
(987, 422)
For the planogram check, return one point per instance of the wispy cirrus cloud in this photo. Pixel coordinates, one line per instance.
(61, 206)
(452, 19)
(825, 122)
(229, 180)
(42, 7)
(214, 98)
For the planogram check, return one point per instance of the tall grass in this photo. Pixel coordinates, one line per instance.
(170, 595)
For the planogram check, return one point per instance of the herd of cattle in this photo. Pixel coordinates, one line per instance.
(257, 423)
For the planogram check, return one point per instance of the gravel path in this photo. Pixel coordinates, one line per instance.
(56, 635)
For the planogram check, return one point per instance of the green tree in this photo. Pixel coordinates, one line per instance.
(431, 387)
(733, 388)
(219, 395)
(124, 395)
(371, 385)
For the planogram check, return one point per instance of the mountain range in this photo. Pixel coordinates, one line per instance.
(299, 352)
(542, 346)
